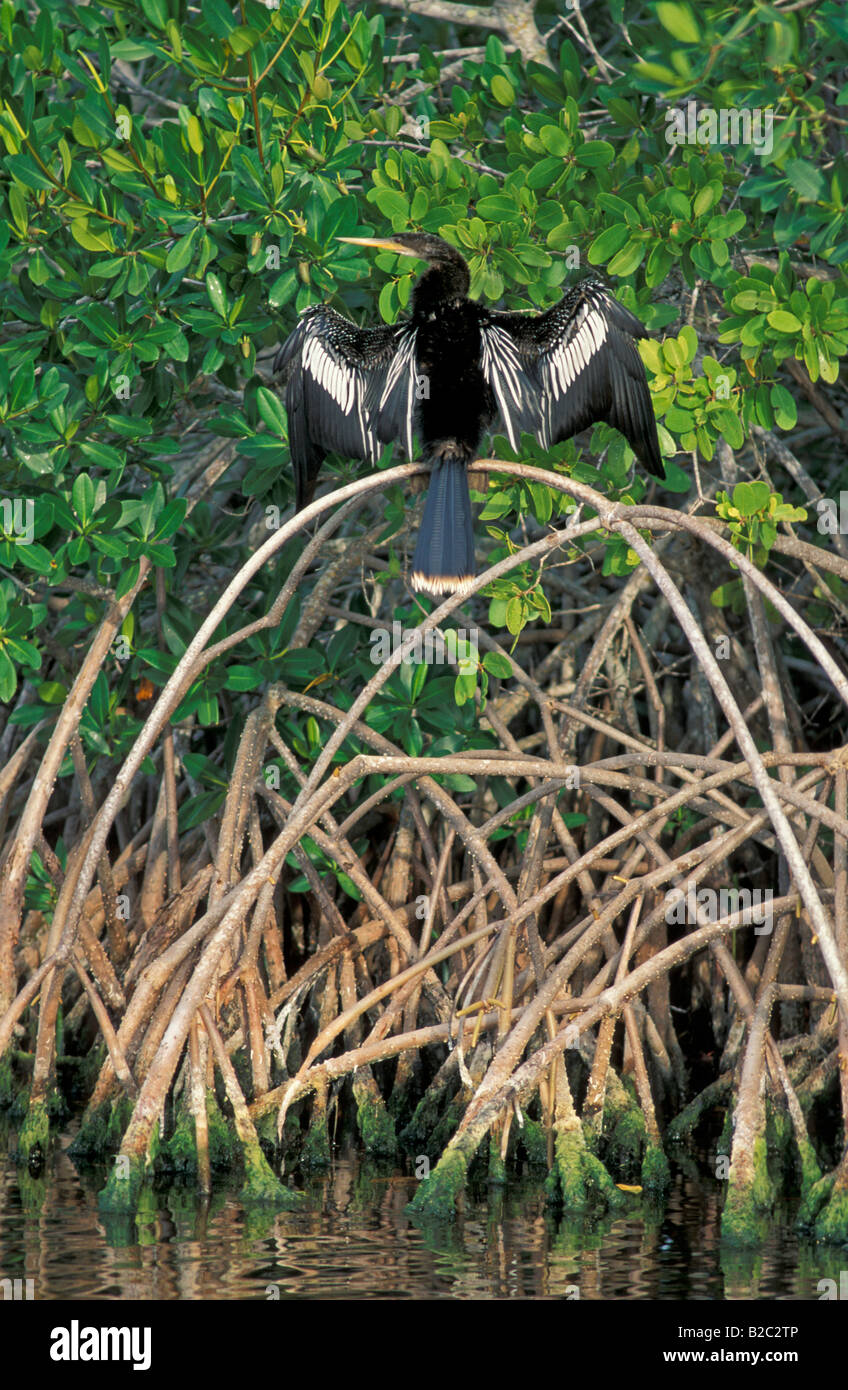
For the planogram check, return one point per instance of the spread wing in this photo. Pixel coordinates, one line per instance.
(349, 390)
(582, 360)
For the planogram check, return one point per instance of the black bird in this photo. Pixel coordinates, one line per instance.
(451, 371)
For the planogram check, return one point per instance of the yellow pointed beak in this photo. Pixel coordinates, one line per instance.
(382, 244)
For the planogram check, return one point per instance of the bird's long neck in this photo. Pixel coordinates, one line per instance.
(440, 285)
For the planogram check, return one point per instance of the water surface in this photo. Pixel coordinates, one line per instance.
(354, 1241)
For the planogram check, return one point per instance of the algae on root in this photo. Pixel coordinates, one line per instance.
(750, 1195)
(811, 1180)
(627, 1142)
(223, 1142)
(102, 1129)
(90, 1139)
(534, 1138)
(497, 1166)
(119, 1117)
(578, 1180)
(690, 1117)
(832, 1221)
(813, 1200)
(123, 1186)
(437, 1196)
(418, 1132)
(261, 1187)
(375, 1124)
(180, 1151)
(656, 1173)
(34, 1137)
(315, 1153)
(7, 1087)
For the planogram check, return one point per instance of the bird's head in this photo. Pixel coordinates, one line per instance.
(422, 245)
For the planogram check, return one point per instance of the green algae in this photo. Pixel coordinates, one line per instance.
(831, 1223)
(497, 1166)
(123, 1186)
(578, 1180)
(266, 1129)
(656, 1172)
(375, 1124)
(747, 1200)
(416, 1132)
(223, 1144)
(437, 1196)
(261, 1186)
(534, 1140)
(179, 1153)
(119, 1117)
(7, 1085)
(449, 1122)
(811, 1172)
(813, 1200)
(315, 1154)
(90, 1139)
(92, 1064)
(34, 1137)
(401, 1103)
(683, 1125)
(627, 1142)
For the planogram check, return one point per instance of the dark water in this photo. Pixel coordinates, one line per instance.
(355, 1242)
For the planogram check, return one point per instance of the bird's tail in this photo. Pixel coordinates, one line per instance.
(444, 556)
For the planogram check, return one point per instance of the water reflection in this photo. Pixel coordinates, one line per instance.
(356, 1242)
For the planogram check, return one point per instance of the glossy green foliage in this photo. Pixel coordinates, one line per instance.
(174, 181)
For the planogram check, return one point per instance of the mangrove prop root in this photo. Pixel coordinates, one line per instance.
(458, 958)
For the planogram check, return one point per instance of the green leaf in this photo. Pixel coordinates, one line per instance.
(726, 225)
(679, 20)
(628, 258)
(26, 171)
(785, 409)
(195, 135)
(497, 665)
(595, 153)
(242, 39)
(82, 496)
(515, 618)
(215, 290)
(498, 208)
(502, 91)
(156, 11)
(271, 410)
(784, 322)
(806, 179)
(604, 246)
(179, 255)
(127, 581)
(543, 173)
(555, 140)
(104, 455)
(170, 518)
(392, 204)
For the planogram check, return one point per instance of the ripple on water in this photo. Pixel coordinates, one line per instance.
(355, 1242)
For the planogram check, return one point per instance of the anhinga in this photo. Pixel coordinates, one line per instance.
(451, 371)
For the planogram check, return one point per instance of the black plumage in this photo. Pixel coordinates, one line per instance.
(451, 372)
